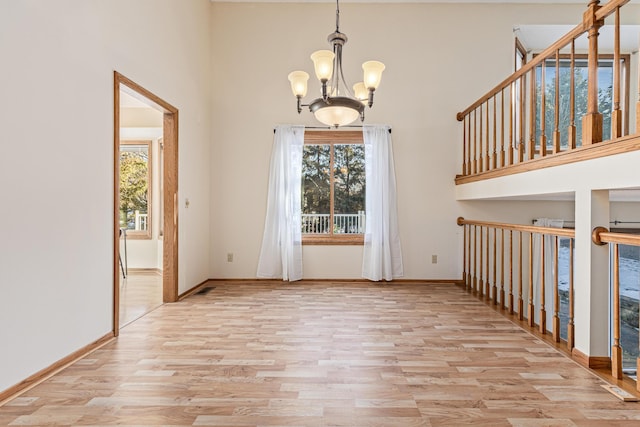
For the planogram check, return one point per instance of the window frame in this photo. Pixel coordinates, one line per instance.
(625, 93)
(332, 137)
(143, 234)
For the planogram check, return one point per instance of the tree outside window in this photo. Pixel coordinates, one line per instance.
(605, 97)
(333, 191)
(135, 187)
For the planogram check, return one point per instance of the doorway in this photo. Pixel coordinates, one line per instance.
(138, 221)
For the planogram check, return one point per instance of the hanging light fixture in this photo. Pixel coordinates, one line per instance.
(337, 106)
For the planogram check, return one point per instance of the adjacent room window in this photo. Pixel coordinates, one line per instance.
(333, 188)
(135, 188)
(605, 96)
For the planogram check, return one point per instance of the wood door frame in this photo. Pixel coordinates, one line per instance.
(170, 192)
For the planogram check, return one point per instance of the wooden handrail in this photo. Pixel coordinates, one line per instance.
(608, 8)
(602, 236)
(562, 232)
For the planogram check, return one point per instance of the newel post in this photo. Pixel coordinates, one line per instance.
(592, 121)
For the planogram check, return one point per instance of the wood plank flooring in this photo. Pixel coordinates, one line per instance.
(323, 354)
(140, 293)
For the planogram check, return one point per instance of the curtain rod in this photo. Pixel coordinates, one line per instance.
(333, 128)
(614, 222)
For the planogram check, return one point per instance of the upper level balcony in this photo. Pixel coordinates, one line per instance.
(566, 119)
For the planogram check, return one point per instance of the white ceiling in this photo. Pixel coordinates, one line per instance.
(538, 37)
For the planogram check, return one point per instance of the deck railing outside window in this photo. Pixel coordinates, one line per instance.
(533, 115)
(342, 223)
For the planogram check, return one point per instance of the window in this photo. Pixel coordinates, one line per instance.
(333, 188)
(135, 188)
(605, 97)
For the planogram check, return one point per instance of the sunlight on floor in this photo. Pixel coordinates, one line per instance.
(140, 293)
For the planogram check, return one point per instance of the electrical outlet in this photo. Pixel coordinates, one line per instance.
(230, 257)
(434, 259)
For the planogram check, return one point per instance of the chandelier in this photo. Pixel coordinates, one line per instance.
(337, 106)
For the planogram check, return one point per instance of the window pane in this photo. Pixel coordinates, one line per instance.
(134, 186)
(316, 192)
(605, 96)
(349, 188)
(629, 296)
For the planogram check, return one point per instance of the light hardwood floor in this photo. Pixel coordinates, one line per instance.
(323, 354)
(140, 293)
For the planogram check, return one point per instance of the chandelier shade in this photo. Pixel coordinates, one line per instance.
(298, 81)
(337, 111)
(337, 105)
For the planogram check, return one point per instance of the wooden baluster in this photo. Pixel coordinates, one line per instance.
(572, 98)
(494, 290)
(502, 255)
(523, 103)
(469, 283)
(592, 120)
(480, 145)
(520, 287)
(475, 142)
(480, 282)
(616, 114)
(543, 311)
(468, 172)
(502, 152)
(556, 295)
(511, 124)
(530, 311)
(495, 140)
(465, 255)
(511, 272)
(487, 282)
(475, 259)
(556, 117)
(570, 325)
(543, 109)
(532, 116)
(616, 350)
(464, 146)
(487, 158)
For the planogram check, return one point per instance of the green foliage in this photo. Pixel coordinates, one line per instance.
(134, 169)
(581, 92)
(349, 178)
(315, 179)
(349, 173)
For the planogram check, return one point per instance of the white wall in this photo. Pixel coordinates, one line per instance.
(439, 59)
(57, 160)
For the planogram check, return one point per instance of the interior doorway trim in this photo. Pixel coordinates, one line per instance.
(170, 191)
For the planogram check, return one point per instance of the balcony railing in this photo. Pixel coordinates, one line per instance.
(507, 127)
(629, 312)
(342, 223)
(508, 265)
(501, 265)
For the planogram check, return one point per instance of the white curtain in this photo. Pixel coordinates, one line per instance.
(281, 253)
(382, 258)
(548, 268)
